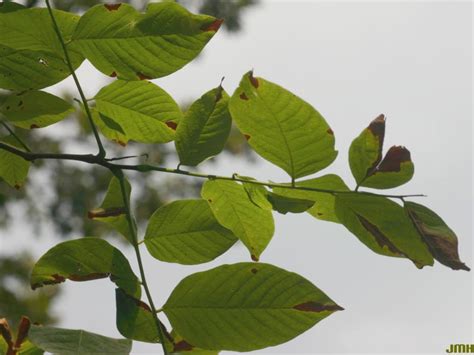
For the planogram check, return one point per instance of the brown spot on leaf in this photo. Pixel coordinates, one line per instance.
(254, 258)
(17, 186)
(330, 131)
(23, 330)
(106, 212)
(213, 26)
(377, 127)
(254, 271)
(182, 345)
(33, 126)
(243, 96)
(142, 76)
(56, 280)
(319, 214)
(172, 125)
(113, 75)
(247, 137)
(20, 103)
(381, 239)
(112, 7)
(88, 277)
(253, 80)
(393, 159)
(316, 307)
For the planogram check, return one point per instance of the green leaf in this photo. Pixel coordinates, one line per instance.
(135, 318)
(13, 169)
(367, 165)
(138, 110)
(323, 207)
(244, 307)
(34, 109)
(73, 342)
(383, 226)
(204, 129)
(186, 232)
(112, 210)
(119, 41)
(83, 260)
(441, 240)
(281, 127)
(233, 209)
(31, 56)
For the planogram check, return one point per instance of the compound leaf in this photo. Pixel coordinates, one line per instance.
(112, 210)
(120, 41)
(367, 165)
(204, 129)
(323, 207)
(383, 226)
(73, 342)
(281, 127)
(187, 232)
(31, 56)
(13, 169)
(138, 110)
(245, 306)
(233, 209)
(441, 240)
(135, 319)
(34, 109)
(83, 260)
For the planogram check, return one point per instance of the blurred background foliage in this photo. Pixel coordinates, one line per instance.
(71, 190)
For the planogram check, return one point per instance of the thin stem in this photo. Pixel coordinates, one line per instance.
(14, 135)
(119, 174)
(76, 80)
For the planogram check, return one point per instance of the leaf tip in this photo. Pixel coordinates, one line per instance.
(213, 26)
(316, 307)
(112, 7)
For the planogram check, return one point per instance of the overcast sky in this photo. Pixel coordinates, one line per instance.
(351, 61)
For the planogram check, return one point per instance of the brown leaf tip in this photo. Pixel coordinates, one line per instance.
(172, 125)
(33, 126)
(113, 74)
(108, 212)
(254, 258)
(377, 127)
(330, 131)
(182, 345)
(253, 80)
(312, 306)
(394, 157)
(247, 137)
(112, 7)
(23, 330)
(142, 76)
(213, 26)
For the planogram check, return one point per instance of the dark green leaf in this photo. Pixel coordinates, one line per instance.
(441, 240)
(203, 131)
(281, 127)
(13, 169)
(74, 342)
(383, 226)
(83, 260)
(245, 307)
(186, 232)
(233, 209)
(119, 41)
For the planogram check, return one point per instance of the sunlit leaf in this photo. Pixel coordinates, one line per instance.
(13, 169)
(204, 129)
(281, 127)
(245, 307)
(31, 56)
(383, 226)
(74, 342)
(112, 210)
(323, 207)
(135, 319)
(34, 109)
(441, 240)
(367, 165)
(233, 209)
(186, 232)
(119, 41)
(83, 260)
(137, 110)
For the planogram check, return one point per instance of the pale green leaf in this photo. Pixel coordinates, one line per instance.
(112, 210)
(139, 111)
(134, 318)
(383, 226)
(233, 209)
(13, 169)
(367, 165)
(441, 240)
(245, 307)
(31, 56)
(34, 109)
(281, 127)
(82, 260)
(204, 129)
(323, 207)
(186, 232)
(119, 41)
(74, 342)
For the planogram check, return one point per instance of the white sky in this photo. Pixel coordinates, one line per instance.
(352, 61)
